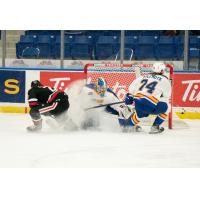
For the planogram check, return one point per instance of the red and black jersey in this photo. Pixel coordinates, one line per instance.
(42, 95)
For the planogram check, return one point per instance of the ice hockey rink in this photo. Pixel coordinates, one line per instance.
(49, 148)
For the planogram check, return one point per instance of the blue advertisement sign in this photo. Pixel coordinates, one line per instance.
(12, 86)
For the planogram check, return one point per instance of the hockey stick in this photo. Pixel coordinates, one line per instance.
(103, 105)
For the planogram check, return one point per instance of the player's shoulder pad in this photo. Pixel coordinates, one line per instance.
(110, 91)
(31, 90)
(91, 86)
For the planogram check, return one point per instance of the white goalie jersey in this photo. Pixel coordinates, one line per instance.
(96, 99)
(109, 97)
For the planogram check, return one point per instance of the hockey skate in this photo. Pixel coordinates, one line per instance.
(138, 128)
(156, 129)
(37, 126)
(131, 129)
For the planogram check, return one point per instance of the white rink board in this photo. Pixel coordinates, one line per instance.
(174, 148)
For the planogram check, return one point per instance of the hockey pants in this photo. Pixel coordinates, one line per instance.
(144, 108)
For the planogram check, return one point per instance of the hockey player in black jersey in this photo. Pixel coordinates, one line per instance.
(44, 100)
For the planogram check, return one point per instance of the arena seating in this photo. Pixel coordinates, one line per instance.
(42, 32)
(82, 47)
(44, 44)
(67, 43)
(194, 46)
(26, 41)
(145, 47)
(106, 46)
(103, 44)
(166, 48)
(179, 47)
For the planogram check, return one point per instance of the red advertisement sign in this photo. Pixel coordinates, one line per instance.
(60, 80)
(186, 91)
(186, 87)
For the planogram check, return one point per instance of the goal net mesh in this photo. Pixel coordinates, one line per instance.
(120, 76)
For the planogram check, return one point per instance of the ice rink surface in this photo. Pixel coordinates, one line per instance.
(50, 148)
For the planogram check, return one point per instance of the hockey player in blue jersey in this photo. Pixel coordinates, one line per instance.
(150, 94)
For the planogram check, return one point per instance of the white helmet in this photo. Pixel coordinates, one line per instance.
(159, 67)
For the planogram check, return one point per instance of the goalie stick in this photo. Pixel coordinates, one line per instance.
(103, 105)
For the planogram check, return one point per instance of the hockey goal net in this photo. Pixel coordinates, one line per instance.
(120, 76)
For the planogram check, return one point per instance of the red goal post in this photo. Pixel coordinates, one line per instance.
(120, 76)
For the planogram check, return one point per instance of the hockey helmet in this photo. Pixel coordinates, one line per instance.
(159, 67)
(35, 84)
(101, 86)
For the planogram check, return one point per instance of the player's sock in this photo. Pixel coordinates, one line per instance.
(160, 119)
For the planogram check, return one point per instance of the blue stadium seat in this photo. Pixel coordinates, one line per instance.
(75, 32)
(54, 32)
(28, 38)
(67, 50)
(194, 41)
(56, 49)
(30, 52)
(82, 47)
(106, 46)
(151, 33)
(194, 53)
(128, 54)
(179, 41)
(131, 42)
(194, 47)
(44, 46)
(166, 48)
(112, 33)
(145, 48)
(95, 33)
(31, 32)
(25, 41)
(42, 32)
(133, 33)
(68, 45)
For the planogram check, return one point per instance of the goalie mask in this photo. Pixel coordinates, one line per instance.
(101, 86)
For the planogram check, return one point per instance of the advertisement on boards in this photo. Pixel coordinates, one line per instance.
(186, 87)
(186, 91)
(12, 86)
(60, 80)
